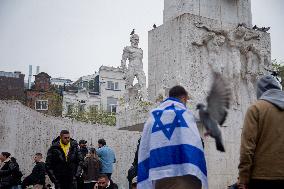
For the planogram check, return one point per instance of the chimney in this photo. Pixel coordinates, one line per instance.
(30, 76)
(37, 70)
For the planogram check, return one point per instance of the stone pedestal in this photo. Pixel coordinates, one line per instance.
(227, 11)
(197, 38)
(186, 50)
(132, 116)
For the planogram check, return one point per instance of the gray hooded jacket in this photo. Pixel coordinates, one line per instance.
(269, 89)
(274, 96)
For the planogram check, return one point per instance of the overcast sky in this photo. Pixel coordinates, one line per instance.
(72, 38)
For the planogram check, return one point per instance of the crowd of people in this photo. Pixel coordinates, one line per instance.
(69, 165)
(171, 155)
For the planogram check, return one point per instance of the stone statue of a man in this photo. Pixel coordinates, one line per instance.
(135, 66)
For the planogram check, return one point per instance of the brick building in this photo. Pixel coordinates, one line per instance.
(43, 97)
(12, 86)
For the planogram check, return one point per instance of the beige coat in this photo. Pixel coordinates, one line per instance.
(262, 143)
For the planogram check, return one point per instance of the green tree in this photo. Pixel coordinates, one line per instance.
(278, 66)
(94, 117)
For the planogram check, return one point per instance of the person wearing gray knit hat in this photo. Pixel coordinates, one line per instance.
(261, 152)
(269, 89)
(265, 83)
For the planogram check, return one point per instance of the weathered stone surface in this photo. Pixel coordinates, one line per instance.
(134, 107)
(228, 11)
(186, 50)
(134, 69)
(132, 118)
(180, 52)
(23, 132)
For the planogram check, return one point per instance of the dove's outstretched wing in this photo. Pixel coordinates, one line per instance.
(218, 100)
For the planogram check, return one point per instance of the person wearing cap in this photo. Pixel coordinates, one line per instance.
(262, 152)
(83, 147)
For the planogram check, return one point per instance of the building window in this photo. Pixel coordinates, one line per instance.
(112, 85)
(86, 84)
(41, 105)
(116, 86)
(69, 109)
(111, 104)
(113, 108)
(82, 108)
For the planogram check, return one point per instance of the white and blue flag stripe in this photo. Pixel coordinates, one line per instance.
(170, 146)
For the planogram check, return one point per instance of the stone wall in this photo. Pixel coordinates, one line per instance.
(23, 132)
(186, 51)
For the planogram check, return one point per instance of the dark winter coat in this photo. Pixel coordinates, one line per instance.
(84, 151)
(10, 174)
(37, 176)
(112, 185)
(91, 169)
(57, 167)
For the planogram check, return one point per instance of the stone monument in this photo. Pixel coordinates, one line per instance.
(133, 107)
(135, 69)
(197, 38)
(229, 11)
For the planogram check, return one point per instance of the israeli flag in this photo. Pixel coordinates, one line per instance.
(170, 146)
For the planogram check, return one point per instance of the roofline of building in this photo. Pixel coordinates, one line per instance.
(110, 68)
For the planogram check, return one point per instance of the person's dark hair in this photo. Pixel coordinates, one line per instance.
(64, 132)
(177, 92)
(93, 150)
(103, 176)
(13, 159)
(102, 141)
(6, 154)
(38, 154)
(82, 142)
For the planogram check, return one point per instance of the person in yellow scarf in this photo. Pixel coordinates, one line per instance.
(63, 161)
(65, 145)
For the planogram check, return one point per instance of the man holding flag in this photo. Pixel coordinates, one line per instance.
(171, 153)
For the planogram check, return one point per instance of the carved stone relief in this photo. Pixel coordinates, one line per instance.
(239, 42)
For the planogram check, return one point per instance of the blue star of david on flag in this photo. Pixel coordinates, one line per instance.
(168, 129)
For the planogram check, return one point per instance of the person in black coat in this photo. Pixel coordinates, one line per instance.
(84, 151)
(37, 177)
(10, 174)
(63, 161)
(83, 147)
